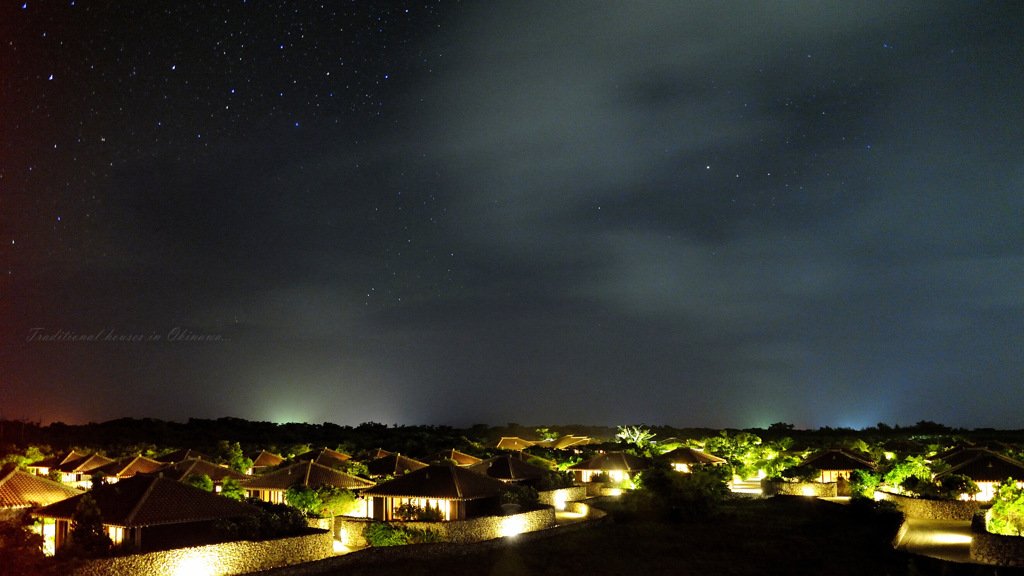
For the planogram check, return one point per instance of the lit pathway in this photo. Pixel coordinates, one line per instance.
(943, 539)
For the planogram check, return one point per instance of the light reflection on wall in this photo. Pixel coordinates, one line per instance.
(193, 562)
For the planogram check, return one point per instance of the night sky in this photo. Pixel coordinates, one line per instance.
(721, 214)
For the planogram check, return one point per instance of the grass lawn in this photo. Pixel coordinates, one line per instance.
(782, 535)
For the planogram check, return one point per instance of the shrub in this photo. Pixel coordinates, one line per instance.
(802, 473)
(518, 494)
(556, 479)
(200, 481)
(863, 483)
(1007, 513)
(384, 534)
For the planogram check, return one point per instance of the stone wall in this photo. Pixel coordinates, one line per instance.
(817, 489)
(931, 509)
(224, 559)
(349, 531)
(562, 495)
(994, 548)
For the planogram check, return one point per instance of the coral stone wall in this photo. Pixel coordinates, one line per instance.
(931, 509)
(818, 489)
(994, 548)
(224, 559)
(349, 531)
(562, 495)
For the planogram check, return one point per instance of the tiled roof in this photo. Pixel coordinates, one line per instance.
(570, 440)
(324, 456)
(128, 467)
(988, 467)
(460, 458)
(613, 461)
(687, 455)
(374, 454)
(441, 481)
(510, 443)
(838, 459)
(507, 468)
(181, 455)
(82, 465)
(152, 500)
(308, 473)
(393, 465)
(181, 470)
(263, 459)
(23, 490)
(57, 460)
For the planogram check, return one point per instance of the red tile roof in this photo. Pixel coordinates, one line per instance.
(181, 455)
(440, 481)
(128, 467)
(20, 489)
(264, 459)
(393, 465)
(181, 470)
(460, 458)
(687, 455)
(83, 465)
(308, 473)
(324, 456)
(613, 461)
(510, 443)
(152, 500)
(838, 459)
(57, 460)
(508, 469)
(988, 467)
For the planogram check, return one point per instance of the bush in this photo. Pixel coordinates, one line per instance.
(1006, 516)
(384, 534)
(413, 512)
(863, 483)
(518, 494)
(802, 473)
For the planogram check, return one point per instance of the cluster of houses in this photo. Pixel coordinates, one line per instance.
(145, 502)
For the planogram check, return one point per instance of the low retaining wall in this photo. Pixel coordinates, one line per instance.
(817, 489)
(349, 531)
(994, 548)
(559, 498)
(223, 559)
(931, 509)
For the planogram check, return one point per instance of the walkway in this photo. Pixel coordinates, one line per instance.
(943, 539)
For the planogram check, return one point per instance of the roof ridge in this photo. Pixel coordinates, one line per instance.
(138, 505)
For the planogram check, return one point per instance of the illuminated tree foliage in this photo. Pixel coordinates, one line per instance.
(911, 467)
(304, 498)
(87, 534)
(233, 489)
(21, 549)
(635, 435)
(199, 481)
(336, 501)
(1006, 516)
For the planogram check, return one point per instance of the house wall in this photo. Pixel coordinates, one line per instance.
(994, 548)
(224, 559)
(931, 509)
(818, 489)
(349, 531)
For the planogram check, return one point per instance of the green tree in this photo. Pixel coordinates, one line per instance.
(87, 533)
(304, 498)
(635, 435)
(233, 489)
(910, 467)
(863, 483)
(1007, 513)
(21, 549)
(546, 434)
(231, 454)
(199, 481)
(336, 501)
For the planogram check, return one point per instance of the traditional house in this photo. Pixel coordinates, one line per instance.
(510, 443)
(181, 456)
(272, 486)
(460, 458)
(836, 463)
(79, 472)
(373, 454)
(987, 469)
(393, 465)
(570, 441)
(262, 460)
(510, 470)
(455, 492)
(21, 491)
(618, 465)
(126, 468)
(44, 466)
(325, 457)
(684, 458)
(217, 473)
(150, 512)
